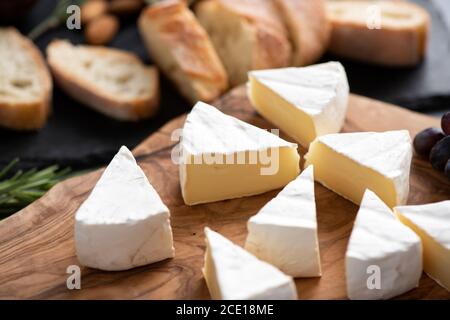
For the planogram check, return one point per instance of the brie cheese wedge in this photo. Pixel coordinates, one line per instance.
(123, 223)
(224, 158)
(432, 223)
(384, 257)
(284, 232)
(231, 273)
(304, 102)
(350, 163)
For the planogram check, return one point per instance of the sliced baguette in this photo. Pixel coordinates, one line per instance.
(247, 34)
(308, 27)
(399, 40)
(25, 83)
(183, 50)
(113, 82)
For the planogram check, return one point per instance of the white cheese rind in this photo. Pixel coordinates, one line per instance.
(389, 153)
(433, 218)
(431, 222)
(123, 223)
(284, 232)
(379, 239)
(238, 275)
(207, 130)
(321, 91)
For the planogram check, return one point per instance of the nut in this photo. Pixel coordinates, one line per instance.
(125, 7)
(93, 9)
(101, 30)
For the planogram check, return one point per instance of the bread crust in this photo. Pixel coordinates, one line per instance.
(193, 64)
(100, 100)
(308, 27)
(257, 27)
(34, 114)
(401, 45)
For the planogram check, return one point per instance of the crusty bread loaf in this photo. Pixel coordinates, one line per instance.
(308, 27)
(399, 40)
(113, 82)
(25, 83)
(182, 49)
(247, 34)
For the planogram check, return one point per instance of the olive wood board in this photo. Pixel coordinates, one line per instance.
(37, 243)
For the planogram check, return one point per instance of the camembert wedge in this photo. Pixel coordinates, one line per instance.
(284, 232)
(224, 158)
(350, 163)
(304, 102)
(383, 258)
(432, 223)
(123, 223)
(231, 273)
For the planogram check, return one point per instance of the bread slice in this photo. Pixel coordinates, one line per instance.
(25, 83)
(183, 50)
(308, 27)
(399, 40)
(247, 34)
(111, 81)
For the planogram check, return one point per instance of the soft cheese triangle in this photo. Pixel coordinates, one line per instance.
(123, 223)
(432, 223)
(224, 158)
(350, 163)
(284, 232)
(381, 247)
(232, 273)
(304, 102)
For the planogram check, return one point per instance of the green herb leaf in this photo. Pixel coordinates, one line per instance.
(22, 188)
(56, 18)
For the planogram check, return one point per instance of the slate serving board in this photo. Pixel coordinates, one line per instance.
(78, 137)
(425, 87)
(36, 244)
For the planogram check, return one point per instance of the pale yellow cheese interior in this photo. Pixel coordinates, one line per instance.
(436, 258)
(204, 183)
(209, 272)
(296, 123)
(348, 178)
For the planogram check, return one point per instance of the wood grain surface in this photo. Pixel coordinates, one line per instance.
(36, 244)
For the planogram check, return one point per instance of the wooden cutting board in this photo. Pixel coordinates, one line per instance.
(36, 244)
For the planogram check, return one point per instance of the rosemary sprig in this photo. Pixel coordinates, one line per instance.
(56, 18)
(22, 188)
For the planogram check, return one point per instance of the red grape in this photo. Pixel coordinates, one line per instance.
(447, 169)
(426, 140)
(440, 154)
(445, 123)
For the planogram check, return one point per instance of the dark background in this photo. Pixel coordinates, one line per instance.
(78, 137)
